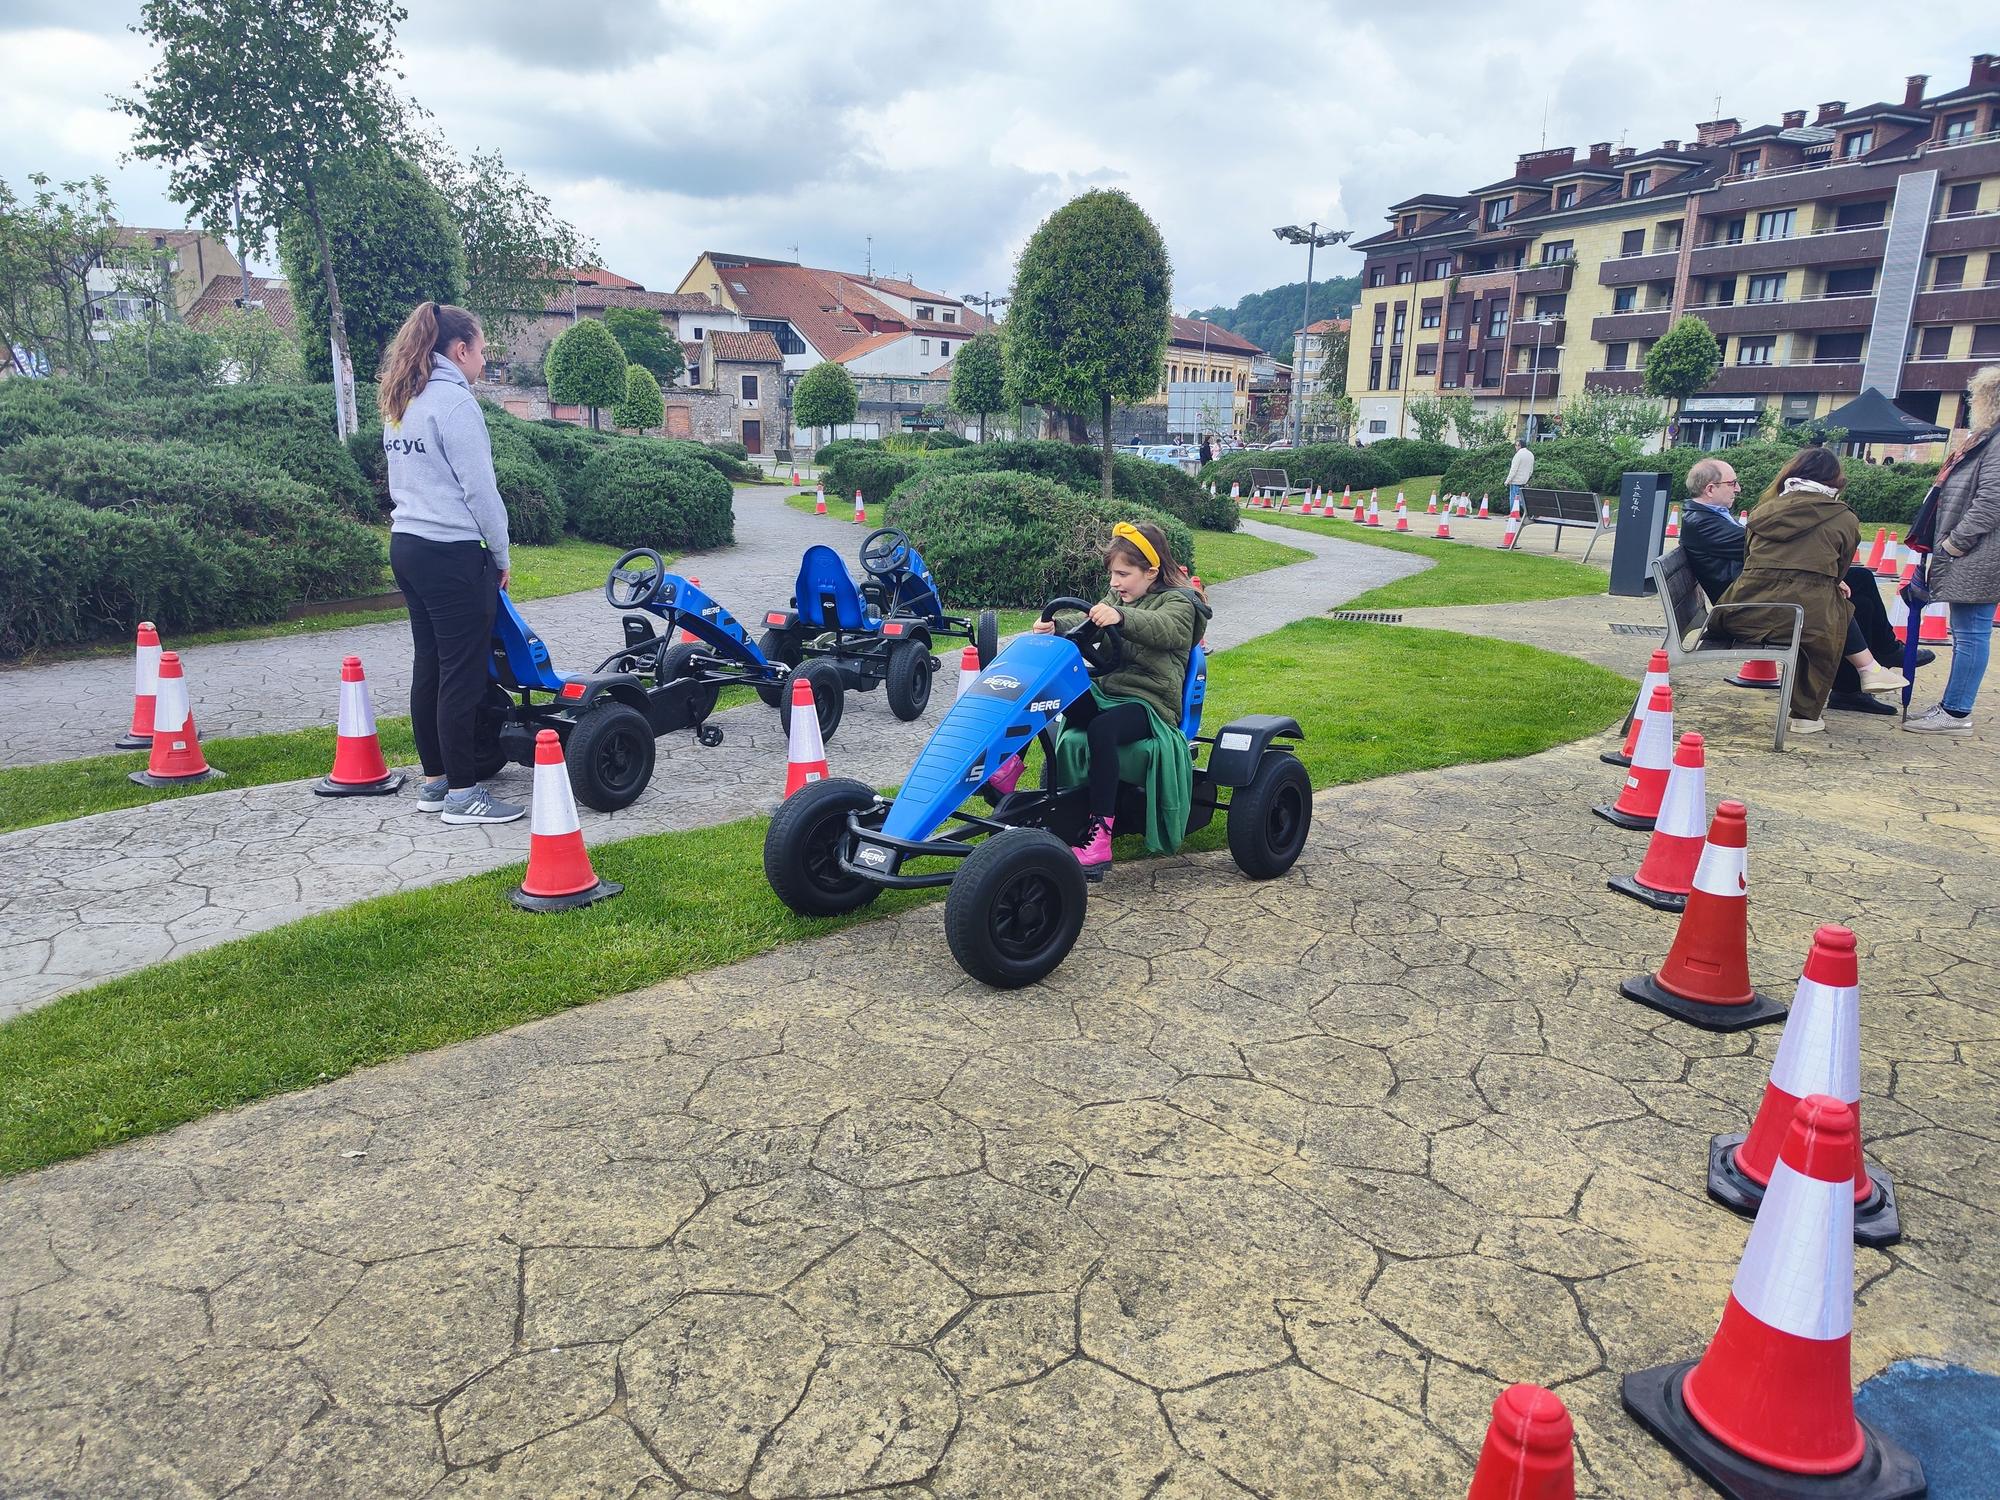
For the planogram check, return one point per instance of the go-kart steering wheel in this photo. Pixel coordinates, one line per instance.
(1102, 647)
(633, 588)
(884, 552)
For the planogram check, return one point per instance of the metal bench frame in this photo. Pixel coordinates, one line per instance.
(1275, 484)
(1688, 612)
(1561, 508)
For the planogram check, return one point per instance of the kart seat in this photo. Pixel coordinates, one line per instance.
(826, 597)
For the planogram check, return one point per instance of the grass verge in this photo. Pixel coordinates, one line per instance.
(1461, 573)
(320, 997)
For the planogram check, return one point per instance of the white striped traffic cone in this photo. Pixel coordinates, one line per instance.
(1512, 537)
(1374, 512)
(819, 501)
(1666, 874)
(1674, 526)
(860, 510)
(805, 757)
(176, 758)
(968, 671)
(1432, 508)
(359, 769)
(1483, 512)
(1236, 490)
(1443, 533)
(145, 688)
(1656, 676)
(1820, 1053)
(1638, 804)
(559, 874)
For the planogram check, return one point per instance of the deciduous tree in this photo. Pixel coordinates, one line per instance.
(646, 342)
(825, 397)
(1682, 360)
(255, 350)
(585, 367)
(979, 379)
(48, 247)
(641, 406)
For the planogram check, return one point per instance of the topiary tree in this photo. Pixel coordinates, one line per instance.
(824, 397)
(642, 407)
(1682, 360)
(1089, 318)
(585, 367)
(646, 343)
(979, 379)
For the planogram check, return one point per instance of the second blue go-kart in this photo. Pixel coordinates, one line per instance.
(1018, 894)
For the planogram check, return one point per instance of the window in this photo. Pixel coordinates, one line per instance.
(1986, 340)
(1427, 361)
(1454, 365)
(1456, 328)
(1959, 127)
(1402, 320)
(1625, 299)
(1776, 223)
(1963, 199)
(923, 346)
(747, 385)
(1799, 408)
(788, 339)
(1379, 276)
(1934, 343)
(1747, 163)
(1858, 144)
(1440, 269)
(1554, 251)
(1860, 215)
(1667, 237)
(1638, 184)
(1722, 291)
(1838, 348)
(1949, 272)
(1430, 319)
(694, 367)
(1405, 274)
(1632, 243)
(1553, 305)
(1566, 196)
(697, 333)
(1496, 322)
(1380, 424)
(1497, 212)
(1993, 269)
(1381, 322)
(948, 316)
(1395, 370)
(1850, 281)
(1615, 356)
(1766, 289)
(1730, 233)
(1756, 351)
(1375, 372)
(944, 348)
(926, 313)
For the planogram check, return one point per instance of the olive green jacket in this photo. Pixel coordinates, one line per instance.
(1159, 629)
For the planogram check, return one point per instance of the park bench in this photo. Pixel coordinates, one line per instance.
(1688, 612)
(1560, 508)
(1272, 484)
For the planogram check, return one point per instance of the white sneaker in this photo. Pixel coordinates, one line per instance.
(1806, 726)
(1934, 720)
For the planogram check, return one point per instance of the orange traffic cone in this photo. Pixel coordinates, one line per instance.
(1666, 874)
(1706, 978)
(1876, 559)
(145, 687)
(1604, 513)
(1656, 676)
(1755, 674)
(1638, 804)
(1820, 1053)
(1402, 519)
(1934, 626)
(795, 477)
(176, 759)
(688, 637)
(819, 501)
(1513, 503)
(1484, 513)
(968, 670)
(358, 767)
(1359, 513)
(1432, 508)
(805, 759)
(1236, 490)
(1374, 513)
(1527, 1453)
(1512, 536)
(559, 873)
(1768, 1411)
(1401, 504)
(860, 510)
(1674, 522)
(1443, 533)
(1908, 568)
(1347, 500)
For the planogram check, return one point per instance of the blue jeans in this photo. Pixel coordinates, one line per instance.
(1513, 496)
(1971, 644)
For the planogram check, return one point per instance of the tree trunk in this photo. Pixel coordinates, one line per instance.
(1105, 407)
(336, 318)
(982, 427)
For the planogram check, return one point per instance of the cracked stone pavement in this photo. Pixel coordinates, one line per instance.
(96, 897)
(1267, 1192)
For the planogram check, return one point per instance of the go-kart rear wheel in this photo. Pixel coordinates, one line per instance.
(829, 696)
(610, 756)
(676, 662)
(907, 679)
(802, 850)
(781, 646)
(986, 638)
(1270, 818)
(1016, 907)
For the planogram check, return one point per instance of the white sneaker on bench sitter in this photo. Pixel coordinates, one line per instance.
(1806, 726)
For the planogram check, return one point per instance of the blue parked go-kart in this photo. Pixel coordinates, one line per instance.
(1017, 892)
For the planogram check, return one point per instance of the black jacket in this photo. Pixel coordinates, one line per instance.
(1713, 546)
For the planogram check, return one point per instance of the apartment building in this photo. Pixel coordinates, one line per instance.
(1860, 249)
(1205, 382)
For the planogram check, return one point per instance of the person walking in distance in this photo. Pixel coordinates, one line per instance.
(1964, 570)
(447, 547)
(1519, 472)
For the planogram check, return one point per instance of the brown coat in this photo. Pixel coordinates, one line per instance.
(1968, 515)
(1796, 548)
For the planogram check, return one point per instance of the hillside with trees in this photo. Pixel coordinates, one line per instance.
(1268, 318)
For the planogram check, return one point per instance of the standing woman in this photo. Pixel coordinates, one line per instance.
(1965, 566)
(447, 546)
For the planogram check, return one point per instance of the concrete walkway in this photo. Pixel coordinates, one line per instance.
(96, 897)
(1268, 1191)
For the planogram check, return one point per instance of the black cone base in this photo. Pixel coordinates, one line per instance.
(1734, 681)
(147, 778)
(388, 786)
(1647, 990)
(1616, 758)
(598, 892)
(1628, 885)
(1876, 1221)
(134, 742)
(1887, 1470)
(1611, 814)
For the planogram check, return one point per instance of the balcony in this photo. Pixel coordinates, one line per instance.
(1540, 385)
(1619, 382)
(1942, 374)
(1639, 323)
(1966, 232)
(1524, 333)
(1834, 177)
(1822, 248)
(1553, 277)
(1631, 270)
(1796, 376)
(1795, 313)
(1965, 304)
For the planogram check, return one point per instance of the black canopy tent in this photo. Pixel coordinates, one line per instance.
(1872, 417)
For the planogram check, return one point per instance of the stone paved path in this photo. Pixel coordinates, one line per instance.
(96, 897)
(1266, 1193)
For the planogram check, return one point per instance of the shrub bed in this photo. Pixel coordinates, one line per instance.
(1413, 456)
(1015, 540)
(739, 470)
(869, 469)
(1335, 465)
(1136, 481)
(635, 494)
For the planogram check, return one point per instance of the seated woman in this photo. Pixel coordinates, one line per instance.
(1797, 544)
(1161, 616)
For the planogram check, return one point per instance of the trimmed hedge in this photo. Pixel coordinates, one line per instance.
(1880, 494)
(1015, 540)
(1413, 456)
(1335, 465)
(870, 470)
(833, 450)
(738, 470)
(636, 494)
(1136, 481)
(734, 450)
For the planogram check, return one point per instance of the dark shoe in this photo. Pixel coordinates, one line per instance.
(1861, 703)
(1925, 658)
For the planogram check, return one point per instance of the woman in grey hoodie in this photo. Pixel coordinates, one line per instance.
(447, 546)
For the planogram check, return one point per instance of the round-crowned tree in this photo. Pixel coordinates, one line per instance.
(979, 379)
(642, 406)
(1682, 361)
(585, 367)
(825, 397)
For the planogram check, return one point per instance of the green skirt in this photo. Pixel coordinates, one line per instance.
(1159, 764)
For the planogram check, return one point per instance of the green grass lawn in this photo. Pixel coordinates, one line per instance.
(320, 997)
(1461, 574)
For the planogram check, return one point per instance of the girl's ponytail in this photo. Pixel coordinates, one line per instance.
(406, 369)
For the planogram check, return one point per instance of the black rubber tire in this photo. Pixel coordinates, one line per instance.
(487, 757)
(986, 638)
(1270, 818)
(674, 664)
(1016, 908)
(801, 844)
(610, 756)
(829, 696)
(907, 679)
(777, 645)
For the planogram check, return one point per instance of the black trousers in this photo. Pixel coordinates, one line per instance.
(1868, 630)
(453, 591)
(1106, 729)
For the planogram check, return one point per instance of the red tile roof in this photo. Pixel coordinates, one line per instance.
(592, 297)
(870, 344)
(831, 309)
(598, 276)
(220, 296)
(1328, 325)
(1190, 333)
(742, 348)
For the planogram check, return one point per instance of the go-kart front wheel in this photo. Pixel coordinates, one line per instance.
(1270, 818)
(829, 696)
(779, 646)
(676, 662)
(610, 756)
(986, 637)
(907, 679)
(1015, 908)
(802, 850)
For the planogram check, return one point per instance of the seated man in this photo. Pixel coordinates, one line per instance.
(1712, 542)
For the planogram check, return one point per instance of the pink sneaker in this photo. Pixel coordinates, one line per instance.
(1095, 853)
(1004, 780)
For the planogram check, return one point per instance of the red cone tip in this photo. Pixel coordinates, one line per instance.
(1662, 700)
(148, 636)
(802, 692)
(1821, 1142)
(170, 664)
(1659, 663)
(1538, 1415)
(969, 657)
(1832, 961)
(1731, 828)
(1690, 751)
(548, 748)
(350, 669)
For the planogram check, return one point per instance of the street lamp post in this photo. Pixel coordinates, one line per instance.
(987, 302)
(1541, 322)
(1313, 240)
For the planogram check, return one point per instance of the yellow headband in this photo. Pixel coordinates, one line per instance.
(1126, 531)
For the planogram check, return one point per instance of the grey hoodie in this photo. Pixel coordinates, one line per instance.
(441, 467)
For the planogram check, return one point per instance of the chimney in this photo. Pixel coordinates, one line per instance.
(1715, 132)
(1830, 111)
(1794, 118)
(1986, 68)
(715, 293)
(1670, 145)
(1626, 151)
(1913, 89)
(1600, 152)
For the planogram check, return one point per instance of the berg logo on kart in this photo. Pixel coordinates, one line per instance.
(999, 685)
(873, 857)
(1045, 705)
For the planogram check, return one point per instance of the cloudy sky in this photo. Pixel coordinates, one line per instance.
(947, 132)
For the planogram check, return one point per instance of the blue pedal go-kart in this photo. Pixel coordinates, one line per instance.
(1017, 892)
(877, 634)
